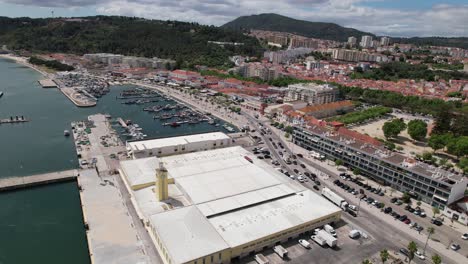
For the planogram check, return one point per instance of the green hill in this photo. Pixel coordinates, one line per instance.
(182, 41)
(309, 29)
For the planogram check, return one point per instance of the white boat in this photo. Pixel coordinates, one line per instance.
(66, 133)
(1, 94)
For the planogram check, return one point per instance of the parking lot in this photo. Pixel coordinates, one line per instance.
(347, 251)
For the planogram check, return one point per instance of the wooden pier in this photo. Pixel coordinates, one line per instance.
(13, 183)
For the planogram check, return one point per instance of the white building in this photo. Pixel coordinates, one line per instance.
(352, 41)
(312, 93)
(222, 204)
(177, 145)
(366, 42)
(384, 41)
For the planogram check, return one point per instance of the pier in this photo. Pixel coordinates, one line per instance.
(48, 83)
(12, 120)
(77, 98)
(13, 183)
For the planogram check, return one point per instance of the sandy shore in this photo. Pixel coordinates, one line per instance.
(24, 61)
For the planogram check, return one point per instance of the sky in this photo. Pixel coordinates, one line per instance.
(405, 18)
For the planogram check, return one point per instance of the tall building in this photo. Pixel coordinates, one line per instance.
(352, 41)
(366, 41)
(384, 41)
(311, 93)
(357, 56)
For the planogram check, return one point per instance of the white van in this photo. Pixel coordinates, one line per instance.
(261, 259)
(330, 230)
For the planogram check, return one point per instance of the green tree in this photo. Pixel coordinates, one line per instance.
(289, 129)
(338, 162)
(435, 211)
(384, 255)
(287, 135)
(356, 171)
(366, 261)
(458, 146)
(412, 248)
(392, 128)
(426, 156)
(436, 259)
(437, 142)
(417, 129)
(430, 232)
(406, 198)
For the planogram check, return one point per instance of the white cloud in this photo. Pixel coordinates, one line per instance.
(440, 20)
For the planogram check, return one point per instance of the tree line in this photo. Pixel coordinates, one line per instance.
(52, 64)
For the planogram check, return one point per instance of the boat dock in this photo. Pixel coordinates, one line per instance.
(12, 120)
(48, 83)
(13, 183)
(78, 98)
(121, 122)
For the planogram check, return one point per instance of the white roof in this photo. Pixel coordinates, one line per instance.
(140, 171)
(216, 174)
(175, 141)
(187, 234)
(251, 223)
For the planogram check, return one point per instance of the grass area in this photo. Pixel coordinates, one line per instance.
(363, 115)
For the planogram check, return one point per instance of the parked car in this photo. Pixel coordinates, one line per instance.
(403, 218)
(404, 251)
(407, 221)
(419, 228)
(304, 243)
(316, 188)
(455, 247)
(393, 200)
(465, 236)
(388, 210)
(352, 207)
(317, 182)
(302, 165)
(419, 255)
(300, 155)
(436, 222)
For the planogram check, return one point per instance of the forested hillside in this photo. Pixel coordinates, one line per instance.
(128, 36)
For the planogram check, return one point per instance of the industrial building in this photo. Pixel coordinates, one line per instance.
(312, 93)
(432, 185)
(177, 145)
(218, 205)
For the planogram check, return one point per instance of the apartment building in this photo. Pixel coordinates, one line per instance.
(311, 93)
(366, 41)
(432, 185)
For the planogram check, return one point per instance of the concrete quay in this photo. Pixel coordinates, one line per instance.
(14, 183)
(47, 83)
(77, 98)
(114, 235)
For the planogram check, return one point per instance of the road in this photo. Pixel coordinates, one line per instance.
(389, 234)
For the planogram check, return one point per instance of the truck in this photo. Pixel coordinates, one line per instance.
(329, 239)
(281, 251)
(330, 230)
(319, 240)
(261, 259)
(335, 198)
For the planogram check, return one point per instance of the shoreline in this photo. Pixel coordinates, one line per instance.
(23, 61)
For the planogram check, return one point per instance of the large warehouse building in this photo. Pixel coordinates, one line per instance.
(217, 205)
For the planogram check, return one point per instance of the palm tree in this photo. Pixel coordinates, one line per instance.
(412, 248)
(436, 259)
(430, 231)
(366, 261)
(384, 255)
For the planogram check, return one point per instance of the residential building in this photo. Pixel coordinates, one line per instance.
(312, 93)
(285, 56)
(366, 41)
(327, 110)
(384, 41)
(352, 41)
(432, 185)
(218, 205)
(357, 56)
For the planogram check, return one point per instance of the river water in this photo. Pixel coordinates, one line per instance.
(44, 224)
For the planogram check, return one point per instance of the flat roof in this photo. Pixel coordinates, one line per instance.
(175, 141)
(187, 234)
(252, 223)
(140, 171)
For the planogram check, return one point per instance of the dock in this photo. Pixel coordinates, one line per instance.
(13, 183)
(13, 120)
(113, 233)
(79, 99)
(48, 83)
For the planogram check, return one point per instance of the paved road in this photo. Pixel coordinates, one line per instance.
(386, 234)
